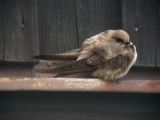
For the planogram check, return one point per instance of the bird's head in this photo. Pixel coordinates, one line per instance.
(120, 43)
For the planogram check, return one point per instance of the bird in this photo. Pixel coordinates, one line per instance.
(109, 55)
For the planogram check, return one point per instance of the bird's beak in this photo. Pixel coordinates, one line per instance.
(130, 45)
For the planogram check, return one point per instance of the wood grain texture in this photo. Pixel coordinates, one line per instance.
(94, 16)
(12, 30)
(20, 76)
(32, 27)
(79, 84)
(57, 25)
(141, 19)
(1, 33)
(20, 30)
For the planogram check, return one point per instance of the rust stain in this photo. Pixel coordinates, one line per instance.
(79, 84)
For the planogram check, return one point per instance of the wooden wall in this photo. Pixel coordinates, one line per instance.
(32, 27)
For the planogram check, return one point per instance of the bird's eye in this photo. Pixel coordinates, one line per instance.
(119, 40)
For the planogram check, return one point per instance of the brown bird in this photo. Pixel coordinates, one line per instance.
(109, 55)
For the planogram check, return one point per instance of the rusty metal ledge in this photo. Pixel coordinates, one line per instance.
(78, 84)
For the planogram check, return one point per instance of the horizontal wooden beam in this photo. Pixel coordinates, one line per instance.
(78, 85)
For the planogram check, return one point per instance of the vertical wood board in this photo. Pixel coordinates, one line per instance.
(141, 19)
(94, 16)
(57, 26)
(20, 30)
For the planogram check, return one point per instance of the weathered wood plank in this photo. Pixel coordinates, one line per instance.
(20, 30)
(141, 19)
(1, 33)
(12, 30)
(63, 25)
(94, 16)
(157, 51)
(30, 29)
(79, 84)
(57, 26)
(20, 76)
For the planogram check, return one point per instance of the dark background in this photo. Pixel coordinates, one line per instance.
(32, 27)
(78, 106)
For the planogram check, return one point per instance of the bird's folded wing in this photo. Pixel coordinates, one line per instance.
(62, 63)
(65, 68)
(70, 55)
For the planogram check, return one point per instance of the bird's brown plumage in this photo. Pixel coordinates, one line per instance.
(109, 55)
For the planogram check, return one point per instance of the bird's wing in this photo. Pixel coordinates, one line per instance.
(63, 64)
(70, 55)
(65, 68)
